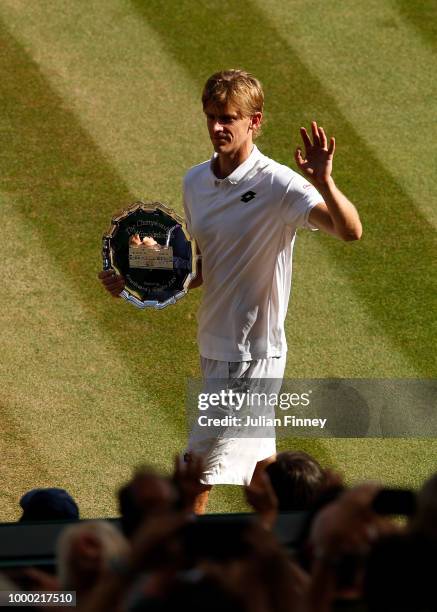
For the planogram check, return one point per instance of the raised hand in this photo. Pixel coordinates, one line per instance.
(263, 500)
(317, 163)
(186, 477)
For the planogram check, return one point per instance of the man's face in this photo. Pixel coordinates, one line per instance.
(229, 132)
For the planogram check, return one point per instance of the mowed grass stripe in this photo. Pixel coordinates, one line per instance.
(63, 187)
(187, 355)
(71, 415)
(380, 73)
(66, 191)
(240, 42)
(162, 110)
(421, 16)
(109, 68)
(389, 270)
(55, 176)
(394, 462)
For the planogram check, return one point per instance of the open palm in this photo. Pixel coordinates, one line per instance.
(316, 165)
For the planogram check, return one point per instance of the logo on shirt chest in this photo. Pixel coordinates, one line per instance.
(248, 196)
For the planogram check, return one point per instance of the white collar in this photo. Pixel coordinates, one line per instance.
(240, 171)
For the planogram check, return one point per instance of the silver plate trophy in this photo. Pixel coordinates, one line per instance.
(148, 244)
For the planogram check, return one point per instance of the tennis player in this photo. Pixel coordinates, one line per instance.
(244, 209)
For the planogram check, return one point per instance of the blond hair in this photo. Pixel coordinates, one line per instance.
(236, 87)
(110, 540)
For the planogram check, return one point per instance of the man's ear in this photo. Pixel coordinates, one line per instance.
(255, 121)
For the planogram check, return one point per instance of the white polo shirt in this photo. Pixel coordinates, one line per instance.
(245, 227)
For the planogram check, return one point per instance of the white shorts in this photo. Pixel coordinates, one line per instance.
(229, 459)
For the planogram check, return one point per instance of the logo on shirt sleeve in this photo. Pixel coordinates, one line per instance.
(249, 195)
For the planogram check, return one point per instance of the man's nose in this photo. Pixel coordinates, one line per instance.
(217, 127)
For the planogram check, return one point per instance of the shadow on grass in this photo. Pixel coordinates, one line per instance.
(422, 17)
(66, 191)
(389, 270)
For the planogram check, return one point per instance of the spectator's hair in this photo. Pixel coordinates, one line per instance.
(104, 536)
(297, 479)
(236, 87)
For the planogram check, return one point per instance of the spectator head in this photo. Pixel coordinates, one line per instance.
(48, 505)
(83, 551)
(145, 495)
(297, 479)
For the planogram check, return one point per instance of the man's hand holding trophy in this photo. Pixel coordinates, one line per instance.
(148, 257)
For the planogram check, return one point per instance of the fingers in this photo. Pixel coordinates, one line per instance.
(112, 282)
(323, 139)
(319, 137)
(298, 157)
(268, 487)
(251, 497)
(105, 274)
(193, 468)
(306, 139)
(315, 131)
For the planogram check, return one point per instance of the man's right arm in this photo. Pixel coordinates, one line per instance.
(115, 283)
(196, 282)
(112, 282)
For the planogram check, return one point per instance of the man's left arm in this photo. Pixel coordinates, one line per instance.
(336, 215)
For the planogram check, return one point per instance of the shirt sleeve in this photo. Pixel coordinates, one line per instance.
(299, 198)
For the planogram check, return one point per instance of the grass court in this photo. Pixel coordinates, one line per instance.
(100, 106)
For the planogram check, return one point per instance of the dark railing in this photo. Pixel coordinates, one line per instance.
(26, 544)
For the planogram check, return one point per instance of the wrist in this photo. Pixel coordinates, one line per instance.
(326, 186)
